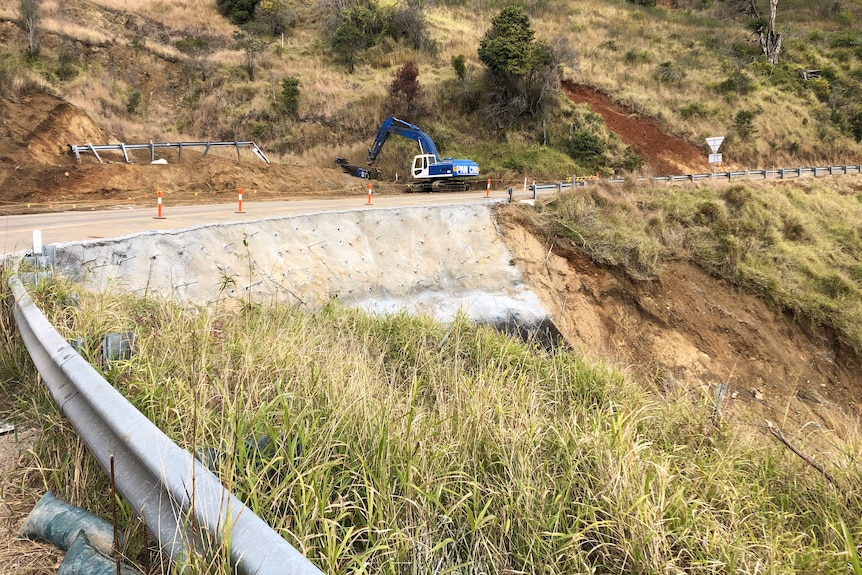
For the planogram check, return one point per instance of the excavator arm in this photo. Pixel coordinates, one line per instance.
(399, 127)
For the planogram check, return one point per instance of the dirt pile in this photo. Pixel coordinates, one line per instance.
(38, 171)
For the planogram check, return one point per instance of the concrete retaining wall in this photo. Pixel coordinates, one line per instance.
(434, 261)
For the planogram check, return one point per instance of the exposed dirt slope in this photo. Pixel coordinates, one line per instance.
(663, 153)
(38, 168)
(690, 330)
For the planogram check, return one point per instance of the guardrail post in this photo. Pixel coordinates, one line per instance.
(511, 192)
(533, 188)
(799, 172)
(781, 173)
(559, 188)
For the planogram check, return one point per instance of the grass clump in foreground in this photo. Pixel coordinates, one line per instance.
(401, 445)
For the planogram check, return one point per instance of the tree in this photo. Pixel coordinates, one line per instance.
(347, 42)
(460, 67)
(523, 70)
(404, 89)
(274, 16)
(290, 96)
(770, 42)
(251, 45)
(239, 12)
(28, 11)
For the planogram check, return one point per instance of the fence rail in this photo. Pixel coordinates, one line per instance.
(184, 505)
(780, 173)
(153, 146)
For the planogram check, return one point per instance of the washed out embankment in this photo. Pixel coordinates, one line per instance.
(435, 261)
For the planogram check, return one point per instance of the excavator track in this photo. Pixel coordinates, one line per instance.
(439, 186)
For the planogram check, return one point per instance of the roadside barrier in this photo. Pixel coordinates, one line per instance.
(370, 190)
(181, 502)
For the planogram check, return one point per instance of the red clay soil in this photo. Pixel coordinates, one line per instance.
(663, 153)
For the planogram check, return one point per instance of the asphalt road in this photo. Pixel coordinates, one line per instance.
(16, 232)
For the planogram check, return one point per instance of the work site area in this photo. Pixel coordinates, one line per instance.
(285, 298)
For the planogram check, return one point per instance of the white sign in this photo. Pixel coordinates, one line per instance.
(715, 143)
(715, 158)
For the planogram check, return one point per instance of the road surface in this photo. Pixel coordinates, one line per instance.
(16, 232)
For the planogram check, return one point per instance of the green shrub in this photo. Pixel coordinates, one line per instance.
(237, 11)
(459, 66)
(66, 69)
(290, 96)
(744, 124)
(820, 87)
(133, 102)
(695, 109)
(738, 83)
(668, 73)
(637, 57)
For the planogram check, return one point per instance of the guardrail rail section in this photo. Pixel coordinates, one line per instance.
(153, 146)
(163, 483)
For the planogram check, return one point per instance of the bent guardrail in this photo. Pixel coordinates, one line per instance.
(181, 501)
(152, 146)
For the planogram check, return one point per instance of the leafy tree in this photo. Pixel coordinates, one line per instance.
(459, 66)
(348, 42)
(405, 88)
(290, 96)
(744, 124)
(274, 16)
(507, 47)
(239, 12)
(251, 45)
(522, 68)
(28, 11)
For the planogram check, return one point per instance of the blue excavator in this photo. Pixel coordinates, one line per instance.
(429, 172)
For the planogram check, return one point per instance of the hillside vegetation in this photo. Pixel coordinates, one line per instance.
(401, 445)
(152, 70)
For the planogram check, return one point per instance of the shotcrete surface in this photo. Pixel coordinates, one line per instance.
(435, 261)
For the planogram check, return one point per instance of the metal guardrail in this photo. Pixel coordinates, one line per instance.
(181, 501)
(152, 147)
(781, 173)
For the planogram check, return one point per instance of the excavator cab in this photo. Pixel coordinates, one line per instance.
(421, 163)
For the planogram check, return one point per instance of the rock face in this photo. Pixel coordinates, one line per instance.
(434, 261)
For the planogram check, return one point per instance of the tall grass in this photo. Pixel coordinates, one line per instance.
(397, 444)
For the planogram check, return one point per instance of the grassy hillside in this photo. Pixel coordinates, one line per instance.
(401, 445)
(152, 70)
(797, 245)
